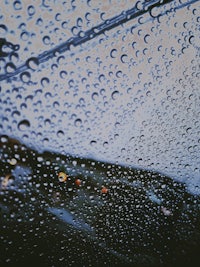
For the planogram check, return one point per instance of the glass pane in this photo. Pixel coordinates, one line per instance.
(99, 132)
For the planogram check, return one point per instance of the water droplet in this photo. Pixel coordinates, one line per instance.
(7, 48)
(32, 63)
(56, 104)
(45, 141)
(191, 39)
(44, 81)
(48, 95)
(23, 106)
(79, 22)
(154, 12)
(23, 125)
(189, 130)
(14, 58)
(3, 29)
(139, 5)
(124, 58)
(24, 36)
(12, 161)
(114, 95)
(60, 134)
(140, 161)
(64, 25)
(58, 17)
(31, 10)
(46, 40)
(93, 143)
(10, 67)
(17, 5)
(87, 16)
(119, 74)
(39, 22)
(40, 159)
(78, 122)
(25, 77)
(95, 96)
(74, 30)
(105, 144)
(63, 74)
(146, 38)
(113, 53)
(15, 114)
(4, 138)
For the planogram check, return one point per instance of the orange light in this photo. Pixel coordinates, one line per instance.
(78, 182)
(104, 190)
(6, 180)
(62, 177)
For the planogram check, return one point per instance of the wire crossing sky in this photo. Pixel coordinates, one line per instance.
(107, 25)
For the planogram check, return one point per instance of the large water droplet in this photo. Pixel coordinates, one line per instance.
(32, 63)
(23, 125)
(10, 67)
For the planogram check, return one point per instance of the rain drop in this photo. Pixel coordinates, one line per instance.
(60, 134)
(23, 125)
(114, 95)
(10, 67)
(39, 22)
(3, 29)
(15, 114)
(63, 74)
(146, 38)
(93, 143)
(78, 122)
(25, 77)
(44, 81)
(46, 40)
(113, 53)
(124, 58)
(31, 10)
(32, 63)
(191, 39)
(4, 139)
(105, 144)
(17, 5)
(58, 17)
(24, 36)
(79, 22)
(64, 25)
(95, 96)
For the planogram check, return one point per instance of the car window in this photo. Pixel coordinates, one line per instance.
(99, 132)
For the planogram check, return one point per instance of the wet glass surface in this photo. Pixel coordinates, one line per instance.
(99, 133)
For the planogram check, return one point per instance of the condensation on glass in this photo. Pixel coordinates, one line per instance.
(116, 82)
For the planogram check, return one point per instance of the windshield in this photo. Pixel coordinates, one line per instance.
(99, 130)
